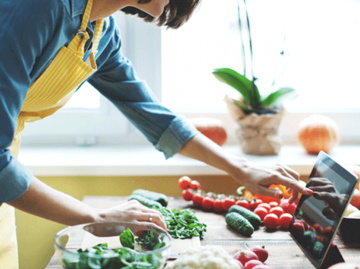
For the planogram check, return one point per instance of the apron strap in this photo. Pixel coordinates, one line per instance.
(78, 42)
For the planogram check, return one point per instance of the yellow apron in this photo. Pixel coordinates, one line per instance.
(48, 93)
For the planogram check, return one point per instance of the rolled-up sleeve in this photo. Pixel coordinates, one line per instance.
(117, 80)
(14, 181)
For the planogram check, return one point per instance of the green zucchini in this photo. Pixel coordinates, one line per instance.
(317, 249)
(145, 201)
(239, 223)
(247, 214)
(155, 196)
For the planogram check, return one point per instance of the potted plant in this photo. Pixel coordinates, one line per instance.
(258, 116)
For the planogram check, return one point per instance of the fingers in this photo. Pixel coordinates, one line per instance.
(154, 217)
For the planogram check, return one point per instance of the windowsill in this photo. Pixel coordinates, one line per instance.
(146, 161)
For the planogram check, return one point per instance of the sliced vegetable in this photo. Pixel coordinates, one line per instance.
(183, 223)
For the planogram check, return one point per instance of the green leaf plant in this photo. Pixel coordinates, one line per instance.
(252, 101)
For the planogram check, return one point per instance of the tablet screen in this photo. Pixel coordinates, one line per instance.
(317, 217)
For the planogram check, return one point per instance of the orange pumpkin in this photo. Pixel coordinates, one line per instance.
(355, 200)
(211, 128)
(318, 133)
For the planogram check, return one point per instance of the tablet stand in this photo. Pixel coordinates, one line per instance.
(333, 256)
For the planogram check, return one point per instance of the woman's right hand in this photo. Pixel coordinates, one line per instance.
(133, 211)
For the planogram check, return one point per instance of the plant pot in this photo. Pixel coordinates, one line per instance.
(257, 134)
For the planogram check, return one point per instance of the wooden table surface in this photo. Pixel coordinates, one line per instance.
(283, 251)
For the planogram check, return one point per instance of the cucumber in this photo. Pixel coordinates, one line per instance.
(247, 214)
(145, 201)
(155, 196)
(239, 223)
(317, 249)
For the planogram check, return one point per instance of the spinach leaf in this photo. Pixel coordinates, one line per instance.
(183, 223)
(127, 239)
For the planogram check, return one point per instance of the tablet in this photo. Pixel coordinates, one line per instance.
(317, 217)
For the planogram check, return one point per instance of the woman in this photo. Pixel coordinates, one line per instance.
(50, 47)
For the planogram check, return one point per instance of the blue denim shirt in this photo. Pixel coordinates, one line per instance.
(31, 34)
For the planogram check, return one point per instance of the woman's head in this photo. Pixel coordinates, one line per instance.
(171, 13)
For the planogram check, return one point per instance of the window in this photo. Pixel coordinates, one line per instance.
(322, 39)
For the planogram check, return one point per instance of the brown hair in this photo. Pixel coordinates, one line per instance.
(175, 14)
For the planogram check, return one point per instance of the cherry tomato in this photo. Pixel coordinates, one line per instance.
(261, 212)
(197, 199)
(227, 203)
(288, 208)
(265, 205)
(271, 221)
(285, 220)
(273, 204)
(244, 203)
(195, 185)
(184, 182)
(187, 194)
(254, 204)
(278, 211)
(317, 227)
(207, 203)
(299, 228)
(218, 205)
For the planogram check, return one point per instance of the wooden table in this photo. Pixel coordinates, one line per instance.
(283, 251)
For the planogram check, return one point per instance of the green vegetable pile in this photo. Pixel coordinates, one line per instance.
(125, 257)
(183, 223)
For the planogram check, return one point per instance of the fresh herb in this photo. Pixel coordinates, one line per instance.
(183, 223)
(127, 239)
(150, 240)
(125, 257)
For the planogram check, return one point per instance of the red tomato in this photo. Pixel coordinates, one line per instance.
(218, 205)
(271, 221)
(254, 204)
(207, 203)
(265, 205)
(197, 199)
(187, 194)
(195, 185)
(184, 182)
(317, 227)
(299, 227)
(288, 208)
(278, 211)
(261, 212)
(285, 220)
(244, 203)
(227, 203)
(273, 204)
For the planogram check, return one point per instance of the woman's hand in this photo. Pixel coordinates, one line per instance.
(133, 211)
(258, 177)
(255, 177)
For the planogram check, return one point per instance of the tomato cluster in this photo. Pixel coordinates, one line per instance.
(210, 200)
(275, 214)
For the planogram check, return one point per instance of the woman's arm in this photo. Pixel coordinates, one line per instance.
(43, 201)
(255, 177)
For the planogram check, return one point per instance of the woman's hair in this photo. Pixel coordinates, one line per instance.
(175, 14)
